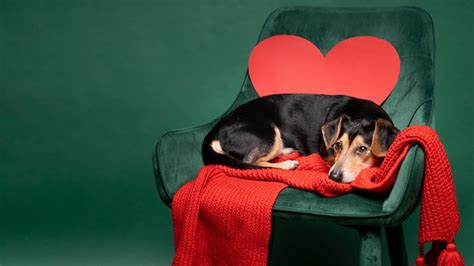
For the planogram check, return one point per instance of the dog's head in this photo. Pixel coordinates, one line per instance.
(353, 146)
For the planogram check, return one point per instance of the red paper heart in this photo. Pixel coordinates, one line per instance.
(363, 67)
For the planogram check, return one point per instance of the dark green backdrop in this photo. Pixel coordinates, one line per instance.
(86, 87)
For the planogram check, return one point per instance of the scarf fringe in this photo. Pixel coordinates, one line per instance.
(440, 255)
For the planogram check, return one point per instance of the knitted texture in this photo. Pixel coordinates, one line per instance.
(223, 216)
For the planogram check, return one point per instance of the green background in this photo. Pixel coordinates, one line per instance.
(87, 87)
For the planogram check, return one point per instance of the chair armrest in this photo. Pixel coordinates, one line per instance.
(177, 159)
(405, 194)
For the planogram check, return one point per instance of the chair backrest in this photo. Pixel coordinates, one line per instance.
(408, 29)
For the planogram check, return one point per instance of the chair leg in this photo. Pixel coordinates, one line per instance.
(396, 245)
(370, 246)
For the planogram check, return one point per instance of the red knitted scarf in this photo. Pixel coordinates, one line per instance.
(223, 217)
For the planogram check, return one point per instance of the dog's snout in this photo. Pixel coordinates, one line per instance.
(336, 175)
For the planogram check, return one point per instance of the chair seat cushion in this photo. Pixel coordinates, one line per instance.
(348, 205)
(359, 204)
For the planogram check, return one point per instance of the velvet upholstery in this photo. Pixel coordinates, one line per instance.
(178, 153)
(177, 157)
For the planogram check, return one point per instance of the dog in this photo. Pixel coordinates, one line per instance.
(350, 134)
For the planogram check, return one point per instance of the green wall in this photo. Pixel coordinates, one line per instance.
(86, 87)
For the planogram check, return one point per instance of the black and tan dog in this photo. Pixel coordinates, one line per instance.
(350, 134)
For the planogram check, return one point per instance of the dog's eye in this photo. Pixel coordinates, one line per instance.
(337, 146)
(362, 149)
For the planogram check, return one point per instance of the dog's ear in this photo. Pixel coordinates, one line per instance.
(331, 130)
(384, 134)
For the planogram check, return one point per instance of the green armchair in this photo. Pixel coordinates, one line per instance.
(177, 157)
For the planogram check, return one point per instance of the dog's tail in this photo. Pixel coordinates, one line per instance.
(212, 153)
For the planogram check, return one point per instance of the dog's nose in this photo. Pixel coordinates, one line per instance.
(335, 175)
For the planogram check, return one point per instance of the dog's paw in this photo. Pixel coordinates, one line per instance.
(289, 165)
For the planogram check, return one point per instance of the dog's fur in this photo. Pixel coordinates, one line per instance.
(350, 134)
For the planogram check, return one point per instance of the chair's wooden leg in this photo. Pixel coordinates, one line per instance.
(396, 245)
(370, 246)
